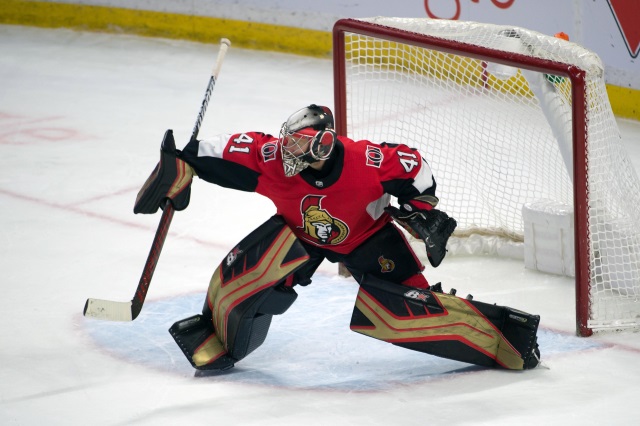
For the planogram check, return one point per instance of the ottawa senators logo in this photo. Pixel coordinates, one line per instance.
(269, 151)
(319, 225)
(387, 265)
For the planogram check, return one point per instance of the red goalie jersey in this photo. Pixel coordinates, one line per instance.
(336, 208)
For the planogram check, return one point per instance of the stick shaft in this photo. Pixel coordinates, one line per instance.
(224, 46)
(152, 259)
(128, 311)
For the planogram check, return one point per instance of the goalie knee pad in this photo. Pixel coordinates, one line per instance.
(446, 325)
(244, 293)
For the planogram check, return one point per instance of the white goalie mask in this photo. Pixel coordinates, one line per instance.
(306, 137)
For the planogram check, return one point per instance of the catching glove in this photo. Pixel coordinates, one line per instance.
(170, 180)
(432, 226)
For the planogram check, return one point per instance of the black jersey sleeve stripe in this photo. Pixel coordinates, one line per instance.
(219, 171)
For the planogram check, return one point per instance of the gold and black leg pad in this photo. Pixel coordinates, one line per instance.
(246, 290)
(446, 325)
(197, 339)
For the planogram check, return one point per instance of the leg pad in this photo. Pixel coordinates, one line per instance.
(245, 292)
(196, 338)
(446, 325)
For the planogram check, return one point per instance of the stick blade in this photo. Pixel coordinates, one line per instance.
(108, 310)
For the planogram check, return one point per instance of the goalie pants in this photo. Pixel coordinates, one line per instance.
(386, 255)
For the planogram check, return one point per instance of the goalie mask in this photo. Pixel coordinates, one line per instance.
(306, 137)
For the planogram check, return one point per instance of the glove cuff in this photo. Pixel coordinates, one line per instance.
(420, 203)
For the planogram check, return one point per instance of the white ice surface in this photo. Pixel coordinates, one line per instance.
(81, 120)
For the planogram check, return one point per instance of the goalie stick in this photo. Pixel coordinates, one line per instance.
(128, 311)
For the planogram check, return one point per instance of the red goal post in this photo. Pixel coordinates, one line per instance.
(426, 83)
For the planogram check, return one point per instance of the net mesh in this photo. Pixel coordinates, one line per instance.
(498, 137)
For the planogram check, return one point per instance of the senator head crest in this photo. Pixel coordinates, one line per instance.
(319, 225)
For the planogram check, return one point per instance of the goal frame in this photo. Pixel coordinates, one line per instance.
(577, 77)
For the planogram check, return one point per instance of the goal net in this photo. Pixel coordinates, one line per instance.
(506, 117)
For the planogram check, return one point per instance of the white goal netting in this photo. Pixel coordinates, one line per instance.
(499, 137)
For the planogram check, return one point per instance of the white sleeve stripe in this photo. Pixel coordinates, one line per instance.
(213, 147)
(376, 207)
(424, 179)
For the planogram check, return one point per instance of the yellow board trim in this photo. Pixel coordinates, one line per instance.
(625, 102)
(250, 35)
